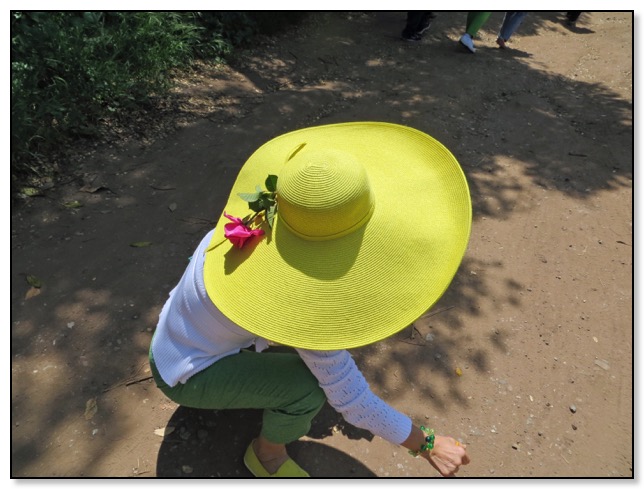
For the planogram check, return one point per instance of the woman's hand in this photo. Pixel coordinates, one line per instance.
(447, 455)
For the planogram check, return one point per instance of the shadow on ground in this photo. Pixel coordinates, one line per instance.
(193, 447)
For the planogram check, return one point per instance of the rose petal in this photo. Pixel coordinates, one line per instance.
(237, 232)
(236, 220)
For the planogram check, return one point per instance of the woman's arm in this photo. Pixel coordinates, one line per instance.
(348, 393)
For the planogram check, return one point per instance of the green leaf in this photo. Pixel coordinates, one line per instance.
(256, 206)
(270, 215)
(141, 244)
(271, 183)
(248, 197)
(267, 200)
(34, 281)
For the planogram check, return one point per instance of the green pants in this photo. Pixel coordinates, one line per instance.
(475, 21)
(279, 383)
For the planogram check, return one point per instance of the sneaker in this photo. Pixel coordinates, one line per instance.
(426, 23)
(411, 37)
(424, 28)
(501, 42)
(466, 40)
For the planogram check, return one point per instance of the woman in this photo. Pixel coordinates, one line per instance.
(358, 230)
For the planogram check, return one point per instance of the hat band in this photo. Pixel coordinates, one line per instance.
(328, 237)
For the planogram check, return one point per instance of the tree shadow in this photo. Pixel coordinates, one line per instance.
(206, 443)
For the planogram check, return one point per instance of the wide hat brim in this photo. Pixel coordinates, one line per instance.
(363, 287)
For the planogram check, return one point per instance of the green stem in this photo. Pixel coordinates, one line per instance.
(252, 218)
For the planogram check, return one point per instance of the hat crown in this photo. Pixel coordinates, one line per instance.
(324, 194)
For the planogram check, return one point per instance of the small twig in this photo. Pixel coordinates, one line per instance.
(428, 315)
(577, 154)
(132, 379)
(412, 343)
(411, 340)
(190, 219)
(621, 242)
(136, 381)
(125, 383)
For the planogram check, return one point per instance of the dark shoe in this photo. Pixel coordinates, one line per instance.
(424, 25)
(411, 37)
(571, 18)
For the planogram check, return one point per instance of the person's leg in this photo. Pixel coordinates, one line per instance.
(426, 21)
(511, 23)
(413, 23)
(417, 23)
(279, 383)
(475, 21)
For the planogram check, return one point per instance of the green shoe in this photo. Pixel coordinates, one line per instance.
(287, 469)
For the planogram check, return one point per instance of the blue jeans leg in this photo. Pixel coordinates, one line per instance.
(511, 22)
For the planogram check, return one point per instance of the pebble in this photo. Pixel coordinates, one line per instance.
(573, 408)
(602, 364)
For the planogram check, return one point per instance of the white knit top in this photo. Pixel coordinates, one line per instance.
(193, 334)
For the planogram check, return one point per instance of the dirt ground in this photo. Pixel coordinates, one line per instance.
(538, 319)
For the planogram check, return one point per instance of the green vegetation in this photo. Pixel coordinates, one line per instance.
(74, 72)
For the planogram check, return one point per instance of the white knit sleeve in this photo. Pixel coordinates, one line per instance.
(348, 393)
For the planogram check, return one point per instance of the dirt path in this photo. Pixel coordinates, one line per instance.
(538, 319)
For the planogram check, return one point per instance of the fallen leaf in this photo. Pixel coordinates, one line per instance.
(90, 189)
(30, 191)
(91, 408)
(141, 244)
(32, 292)
(73, 204)
(164, 431)
(458, 371)
(34, 281)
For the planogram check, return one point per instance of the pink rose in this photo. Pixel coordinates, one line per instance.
(238, 233)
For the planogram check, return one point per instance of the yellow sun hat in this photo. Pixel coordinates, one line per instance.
(371, 224)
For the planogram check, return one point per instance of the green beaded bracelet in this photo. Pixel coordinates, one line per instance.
(429, 442)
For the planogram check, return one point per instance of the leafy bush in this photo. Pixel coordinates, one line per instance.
(70, 71)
